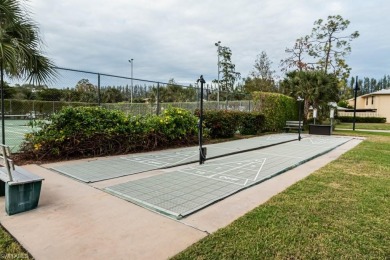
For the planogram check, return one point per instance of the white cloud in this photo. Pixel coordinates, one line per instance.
(175, 39)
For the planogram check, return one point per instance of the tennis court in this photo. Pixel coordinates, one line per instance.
(15, 130)
(180, 193)
(108, 168)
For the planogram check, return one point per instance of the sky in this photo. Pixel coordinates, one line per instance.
(176, 38)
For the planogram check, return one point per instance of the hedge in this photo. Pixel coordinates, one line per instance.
(349, 119)
(224, 123)
(276, 108)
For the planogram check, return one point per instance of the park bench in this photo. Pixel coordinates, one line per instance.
(20, 187)
(293, 125)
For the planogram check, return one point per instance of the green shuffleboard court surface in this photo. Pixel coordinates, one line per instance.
(108, 168)
(183, 192)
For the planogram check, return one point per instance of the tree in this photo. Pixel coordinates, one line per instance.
(262, 76)
(329, 48)
(86, 91)
(50, 94)
(112, 95)
(316, 87)
(20, 53)
(228, 69)
(297, 56)
(324, 49)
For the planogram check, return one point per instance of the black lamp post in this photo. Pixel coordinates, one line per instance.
(202, 151)
(354, 106)
(299, 99)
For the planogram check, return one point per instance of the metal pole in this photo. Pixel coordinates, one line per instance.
(354, 107)
(131, 90)
(2, 104)
(218, 44)
(202, 155)
(99, 100)
(299, 118)
(158, 99)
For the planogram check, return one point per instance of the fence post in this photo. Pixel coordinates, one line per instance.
(227, 95)
(99, 89)
(158, 99)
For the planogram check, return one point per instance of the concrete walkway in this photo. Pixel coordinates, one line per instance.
(78, 221)
(364, 130)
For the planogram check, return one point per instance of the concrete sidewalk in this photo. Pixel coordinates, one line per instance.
(78, 221)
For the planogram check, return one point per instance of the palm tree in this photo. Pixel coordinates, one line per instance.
(317, 88)
(20, 54)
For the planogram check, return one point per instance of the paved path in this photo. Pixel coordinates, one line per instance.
(364, 130)
(78, 221)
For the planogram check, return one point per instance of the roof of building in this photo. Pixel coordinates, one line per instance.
(379, 92)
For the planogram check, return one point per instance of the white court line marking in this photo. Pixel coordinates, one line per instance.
(238, 167)
(235, 183)
(203, 173)
(156, 159)
(261, 167)
(148, 162)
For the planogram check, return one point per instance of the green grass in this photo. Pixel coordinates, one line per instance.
(369, 126)
(339, 212)
(10, 248)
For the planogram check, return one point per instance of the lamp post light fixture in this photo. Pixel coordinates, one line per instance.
(131, 91)
(218, 44)
(202, 150)
(299, 99)
(354, 106)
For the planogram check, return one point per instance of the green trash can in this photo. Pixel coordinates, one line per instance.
(21, 197)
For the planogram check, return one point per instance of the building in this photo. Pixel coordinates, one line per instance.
(375, 104)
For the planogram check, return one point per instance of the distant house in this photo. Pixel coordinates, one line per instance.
(373, 104)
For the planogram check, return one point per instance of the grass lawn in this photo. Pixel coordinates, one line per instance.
(339, 212)
(9, 248)
(370, 126)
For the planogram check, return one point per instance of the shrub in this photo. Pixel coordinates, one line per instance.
(220, 123)
(95, 131)
(251, 123)
(349, 119)
(224, 124)
(276, 108)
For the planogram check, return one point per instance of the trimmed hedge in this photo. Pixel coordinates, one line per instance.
(276, 108)
(349, 119)
(224, 123)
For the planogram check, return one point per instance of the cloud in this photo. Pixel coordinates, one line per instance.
(175, 39)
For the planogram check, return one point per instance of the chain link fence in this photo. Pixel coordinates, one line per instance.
(24, 102)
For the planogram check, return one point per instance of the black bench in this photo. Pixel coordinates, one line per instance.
(293, 125)
(20, 187)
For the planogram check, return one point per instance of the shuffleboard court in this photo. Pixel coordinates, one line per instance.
(183, 192)
(109, 168)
